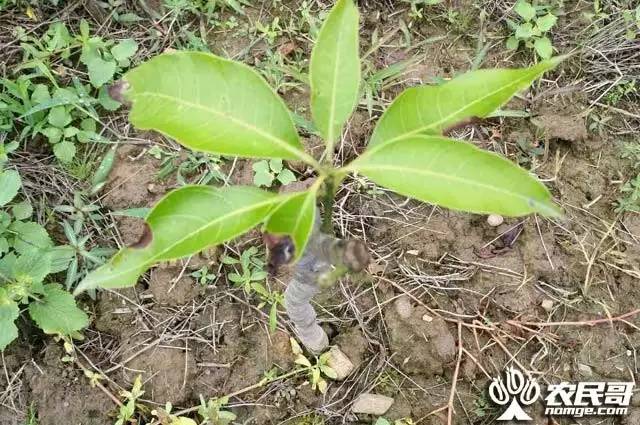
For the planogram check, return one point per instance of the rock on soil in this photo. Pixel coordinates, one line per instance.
(372, 404)
(353, 344)
(420, 346)
(340, 363)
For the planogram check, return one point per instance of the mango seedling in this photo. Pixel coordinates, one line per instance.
(211, 104)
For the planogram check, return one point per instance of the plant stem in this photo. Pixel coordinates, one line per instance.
(328, 200)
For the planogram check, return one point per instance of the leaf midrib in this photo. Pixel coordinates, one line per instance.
(458, 111)
(154, 258)
(280, 142)
(450, 177)
(334, 89)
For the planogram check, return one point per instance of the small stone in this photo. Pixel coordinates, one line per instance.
(403, 306)
(427, 318)
(340, 363)
(495, 220)
(372, 404)
(585, 370)
(547, 305)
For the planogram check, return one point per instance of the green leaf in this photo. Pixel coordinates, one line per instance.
(546, 22)
(432, 109)
(328, 372)
(64, 151)
(70, 132)
(106, 101)
(276, 165)
(456, 175)
(22, 210)
(40, 93)
(57, 312)
(124, 49)
(10, 184)
(214, 105)
(286, 176)
(9, 312)
(59, 117)
(262, 175)
(512, 43)
(61, 256)
(525, 10)
(543, 47)
(34, 265)
(524, 31)
(334, 72)
(100, 71)
(29, 236)
(132, 212)
(185, 222)
(54, 134)
(302, 361)
(294, 217)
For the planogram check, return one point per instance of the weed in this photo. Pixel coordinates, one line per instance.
(28, 257)
(203, 276)
(32, 413)
(632, 22)
(269, 31)
(198, 168)
(630, 196)
(598, 122)
(212, 411)
(266, 172)
(250, 277)
(620, 91)
(129, 408)
(251, 269)
(631, 151)
(532, 29)
(63, 115)
(315, 371)
(481, 406)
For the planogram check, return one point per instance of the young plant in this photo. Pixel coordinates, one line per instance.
(315, 371)
(131, 405)
(266, 172)
(216, 105)
(536, 22)
(251, 271)
(211, 411)
(250, 278)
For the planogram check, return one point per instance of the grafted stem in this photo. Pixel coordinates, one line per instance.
(324, 260)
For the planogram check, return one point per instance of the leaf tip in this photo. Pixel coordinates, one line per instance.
(547, 208)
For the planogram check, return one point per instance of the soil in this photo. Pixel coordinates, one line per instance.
(398, 322)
